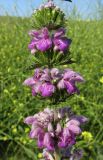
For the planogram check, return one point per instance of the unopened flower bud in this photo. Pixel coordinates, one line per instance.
(55, 48)
(58, 129)
(33, 51)
(50, 127)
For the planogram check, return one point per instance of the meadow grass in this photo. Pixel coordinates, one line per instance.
(17, 102)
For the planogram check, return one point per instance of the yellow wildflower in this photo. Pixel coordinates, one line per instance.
(40, 155)
(5, 138)
(101, 79)
(27, 130)
(87, 136)
(90, 147)
(9, 69)
(6, 91)
(14, 130)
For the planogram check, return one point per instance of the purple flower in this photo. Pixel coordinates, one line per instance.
(29, 120)
(46, 81)
(61, 84)
(66, 139)
(62, 44)
(65, 112)
(68, 81)
(72, 76)
(42, 119)
(29, 82)
(49, 4)
(70, 87)
(36, 88)
(48, 142)
(33, 92)
(38, 73)
(55, 74)
(66, 153)
(45, 42)
(77, 155)
(46, 75)
(73, 122)
(81, 119)
(35, 132)
(60, 32)
(32, 46)
(55, 133)
(41, 140)
(47, 89)
(34, 33)
(41, 40)
(33, 80)
(74, 129)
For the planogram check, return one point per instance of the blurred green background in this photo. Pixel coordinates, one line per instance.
(16, 101)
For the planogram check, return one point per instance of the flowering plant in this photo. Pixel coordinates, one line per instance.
(48, 81)
(56, 130)
(42, 41)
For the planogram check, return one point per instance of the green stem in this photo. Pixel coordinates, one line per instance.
(49, 65)
(56, 155)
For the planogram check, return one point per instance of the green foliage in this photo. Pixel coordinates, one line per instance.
(52, 18)
(49, 58)
(17, 102)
